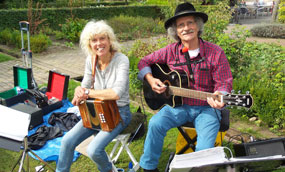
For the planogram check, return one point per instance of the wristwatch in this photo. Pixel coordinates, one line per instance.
(87, 91)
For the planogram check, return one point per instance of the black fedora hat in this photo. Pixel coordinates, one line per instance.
(185, 9)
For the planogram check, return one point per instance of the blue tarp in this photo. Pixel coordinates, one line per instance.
(50, 151)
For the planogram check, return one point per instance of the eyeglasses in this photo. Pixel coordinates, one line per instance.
(188, 23)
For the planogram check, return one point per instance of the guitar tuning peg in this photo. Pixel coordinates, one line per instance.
(247, 92)
(233, 91)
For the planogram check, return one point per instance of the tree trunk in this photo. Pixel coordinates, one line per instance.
(275, 10)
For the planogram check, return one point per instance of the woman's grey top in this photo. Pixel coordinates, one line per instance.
(114, 76)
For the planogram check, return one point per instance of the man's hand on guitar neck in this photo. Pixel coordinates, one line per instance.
(156, 84)
(214, 103)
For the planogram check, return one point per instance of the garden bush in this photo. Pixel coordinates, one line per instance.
(219, 17)
(129, 28)
(6, 36)
(269, 31)
(38, 43)
(71, 30)
(281, 12)
(138, 51)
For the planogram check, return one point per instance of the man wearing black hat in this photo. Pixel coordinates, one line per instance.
(207, 69)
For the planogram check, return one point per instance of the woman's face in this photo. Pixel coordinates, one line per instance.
(100, 45)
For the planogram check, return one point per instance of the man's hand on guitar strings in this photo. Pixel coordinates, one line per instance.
(214, 103)
(155, 83)
(158, 86)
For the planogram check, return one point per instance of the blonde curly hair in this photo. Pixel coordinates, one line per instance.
(93, 28)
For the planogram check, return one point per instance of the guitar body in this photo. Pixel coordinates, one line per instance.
(170, 78)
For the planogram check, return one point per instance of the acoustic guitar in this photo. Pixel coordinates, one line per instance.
(177, 88)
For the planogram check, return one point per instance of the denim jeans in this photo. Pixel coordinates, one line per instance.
(96, 148)
(205, 118)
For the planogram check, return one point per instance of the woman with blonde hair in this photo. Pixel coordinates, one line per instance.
(111, 82)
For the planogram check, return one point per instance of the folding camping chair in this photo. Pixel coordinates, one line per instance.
(126, 137)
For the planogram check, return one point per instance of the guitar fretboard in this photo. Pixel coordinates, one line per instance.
(194, 94)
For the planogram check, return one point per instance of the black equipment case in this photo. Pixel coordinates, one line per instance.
(23, 80)
(56, 90)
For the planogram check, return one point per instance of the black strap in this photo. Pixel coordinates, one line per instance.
(188, 61)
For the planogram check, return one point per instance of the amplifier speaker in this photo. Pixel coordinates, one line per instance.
(261, 148)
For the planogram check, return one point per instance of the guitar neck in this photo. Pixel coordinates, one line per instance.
(194, 94)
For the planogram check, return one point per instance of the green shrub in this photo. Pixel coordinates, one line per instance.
(219, 17)
(59, 35)
(281, 12)
(128, 27)
(38, 42)
(265, 79)
(72, 29)
(237, 49)
(269, 31)
(138, 51)
(5, 36)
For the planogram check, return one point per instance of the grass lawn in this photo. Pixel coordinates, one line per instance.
(5, 57)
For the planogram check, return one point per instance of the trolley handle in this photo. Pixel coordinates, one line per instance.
(24, 25)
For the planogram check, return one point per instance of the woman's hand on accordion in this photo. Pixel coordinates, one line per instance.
(79, 96)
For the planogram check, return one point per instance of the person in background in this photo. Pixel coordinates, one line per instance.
(211, 73)
(111, 82)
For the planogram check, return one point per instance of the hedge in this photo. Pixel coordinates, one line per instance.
(11, 5)
(56, 16)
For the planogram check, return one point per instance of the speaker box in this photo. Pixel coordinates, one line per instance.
(261, 148)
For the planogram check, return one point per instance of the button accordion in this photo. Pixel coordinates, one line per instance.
(98, 114)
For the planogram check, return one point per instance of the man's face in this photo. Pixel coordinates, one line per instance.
(187, 29)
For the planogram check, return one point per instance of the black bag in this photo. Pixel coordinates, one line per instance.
(225, 121)
(136, 126)
(42, 135)
(65, 121)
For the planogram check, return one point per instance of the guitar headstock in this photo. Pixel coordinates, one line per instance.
(242, 100)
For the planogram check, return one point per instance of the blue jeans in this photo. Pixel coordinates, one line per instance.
(96, 148)
(205, 118)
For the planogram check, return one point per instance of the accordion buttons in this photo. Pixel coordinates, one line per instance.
(102, 118)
